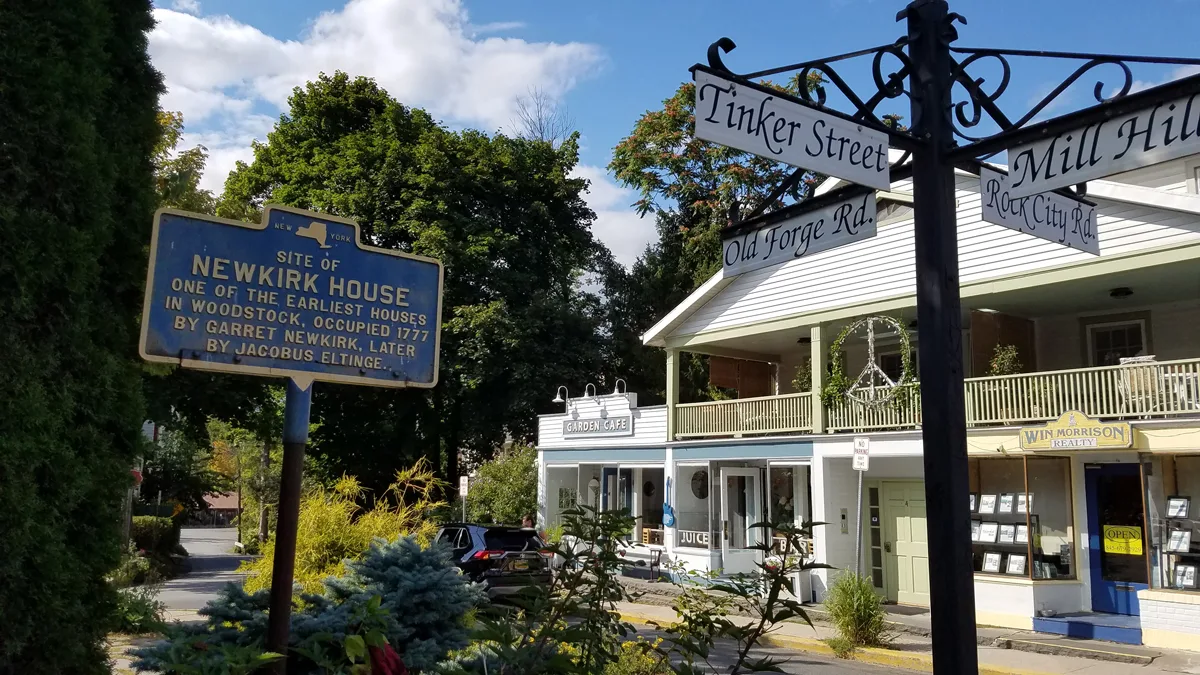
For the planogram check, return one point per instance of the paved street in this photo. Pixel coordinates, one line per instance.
(212, 567)
(798, 663)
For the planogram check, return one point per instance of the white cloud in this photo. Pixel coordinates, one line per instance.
(422, 51)
(617, 223)
(425, 53)
(1177, 74)
(187, 6)
(496, 27)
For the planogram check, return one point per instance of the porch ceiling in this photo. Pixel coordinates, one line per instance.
(1165, 283)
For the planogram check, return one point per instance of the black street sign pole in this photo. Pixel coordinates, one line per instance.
(939, 318)
(295, 437)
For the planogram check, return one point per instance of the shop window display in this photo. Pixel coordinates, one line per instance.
(1172, 485)
(1021, 517)
(693, 501)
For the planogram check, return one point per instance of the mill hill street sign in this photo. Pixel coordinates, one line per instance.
(1155, 134)
(759, 121)
(828, 223)
(295, 296)
(1050, 216)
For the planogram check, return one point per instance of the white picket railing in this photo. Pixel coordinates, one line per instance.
(789, 413)
(1137, 390)
(902, 412)
(1155, 389)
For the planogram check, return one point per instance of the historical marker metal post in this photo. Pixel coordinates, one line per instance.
(1123, 132)
(297, 296)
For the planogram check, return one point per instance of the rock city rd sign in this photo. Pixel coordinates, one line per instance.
(838, 223)
(1048, 215)
(1155, 134)
(296, 295)
(754, 120)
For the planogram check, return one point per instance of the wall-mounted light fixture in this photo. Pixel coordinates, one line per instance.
(558, 395)
(617, 389)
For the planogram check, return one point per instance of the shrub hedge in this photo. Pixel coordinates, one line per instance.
(76, 140)
(155, 534)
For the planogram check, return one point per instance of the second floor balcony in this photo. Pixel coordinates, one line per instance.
(1138, 389)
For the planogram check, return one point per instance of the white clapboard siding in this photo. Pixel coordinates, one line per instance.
(649, 428)
(883, 266)
(1168, 176)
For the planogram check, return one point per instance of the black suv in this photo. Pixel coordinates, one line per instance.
(504, 559)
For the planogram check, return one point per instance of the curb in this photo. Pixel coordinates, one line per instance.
(873, 655)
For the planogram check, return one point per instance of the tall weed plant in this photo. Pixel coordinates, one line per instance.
(335, 528)
(857, 611)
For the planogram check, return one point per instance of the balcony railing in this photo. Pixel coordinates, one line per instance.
(789, 413)
(1136, 391)
(1151, 389)
(902, 412)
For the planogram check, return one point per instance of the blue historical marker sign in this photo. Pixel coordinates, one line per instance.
(297, 295)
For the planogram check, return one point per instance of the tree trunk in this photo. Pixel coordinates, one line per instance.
(264, 470)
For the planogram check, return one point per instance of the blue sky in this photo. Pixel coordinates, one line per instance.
(229, 64)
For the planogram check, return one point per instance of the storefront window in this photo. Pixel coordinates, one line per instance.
(1021, 517)
(1050, 517)
(693, 499)
(783, 495)
(562, 491)
(999, 529)
(651, 494)
(1172, 484)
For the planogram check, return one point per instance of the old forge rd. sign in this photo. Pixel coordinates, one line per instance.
(295, 296)
(754, 120)
(826, 226)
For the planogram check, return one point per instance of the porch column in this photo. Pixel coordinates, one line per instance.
(818, 362)
(672, 391)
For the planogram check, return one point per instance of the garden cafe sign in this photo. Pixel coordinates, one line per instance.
(1076, 431)
(958, 119)
(599, 426)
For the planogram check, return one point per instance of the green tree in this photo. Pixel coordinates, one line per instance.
(180, 469)
(177, 172)
(512, 230)
(504, 489)
(76, 144)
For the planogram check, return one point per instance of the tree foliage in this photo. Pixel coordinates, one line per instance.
(508, 223)
(504, 489)
(76, 141)
(334, 528)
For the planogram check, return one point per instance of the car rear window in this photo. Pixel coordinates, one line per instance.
(511, 539)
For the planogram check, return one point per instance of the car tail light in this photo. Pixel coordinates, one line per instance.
(487, 555)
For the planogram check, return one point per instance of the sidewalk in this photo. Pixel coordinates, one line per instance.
(912, 651)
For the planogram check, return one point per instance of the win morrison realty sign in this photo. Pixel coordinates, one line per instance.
(836, 224)
(754, 120)
(1073, 431)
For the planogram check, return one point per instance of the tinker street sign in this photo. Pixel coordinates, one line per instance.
(1154, 134)
(755, 120)
(295, 296)
(822, 226)
(1050, 216)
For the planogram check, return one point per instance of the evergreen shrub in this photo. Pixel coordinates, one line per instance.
(77, 133)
